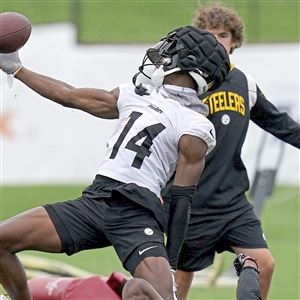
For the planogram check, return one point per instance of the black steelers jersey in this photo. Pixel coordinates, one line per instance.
(231, 107)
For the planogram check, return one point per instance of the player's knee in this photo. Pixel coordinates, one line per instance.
(184, 278)
(3, 249)
(3, 242)
(267, 266)
(7, 243)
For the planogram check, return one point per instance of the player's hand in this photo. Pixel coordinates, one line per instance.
(10, 63)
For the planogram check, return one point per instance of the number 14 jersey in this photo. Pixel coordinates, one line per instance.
(144, 146)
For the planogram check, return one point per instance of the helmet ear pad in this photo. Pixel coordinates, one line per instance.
(202, 85)
(158, 76)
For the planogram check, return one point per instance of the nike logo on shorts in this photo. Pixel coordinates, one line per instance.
(146, 249)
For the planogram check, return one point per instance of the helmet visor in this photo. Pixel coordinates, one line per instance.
(154, 55)
(160, 53)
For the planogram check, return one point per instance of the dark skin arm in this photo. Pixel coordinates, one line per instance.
(191, 161)
(97, 102)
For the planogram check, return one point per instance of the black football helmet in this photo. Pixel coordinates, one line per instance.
(187, 50)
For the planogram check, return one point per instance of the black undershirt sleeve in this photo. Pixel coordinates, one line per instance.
(248, 285)
(279, 124)
(179, 214)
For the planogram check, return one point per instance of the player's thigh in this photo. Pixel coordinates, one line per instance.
(156, 270)
(200, 245)
(133, 231)
(139, 242)
(245, 231)
(32, 229)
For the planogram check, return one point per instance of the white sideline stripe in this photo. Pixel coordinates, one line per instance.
(201, 280)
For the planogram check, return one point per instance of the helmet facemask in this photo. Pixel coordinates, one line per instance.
(159, 61)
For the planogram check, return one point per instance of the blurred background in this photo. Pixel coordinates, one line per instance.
(50, 153)
(125, 21)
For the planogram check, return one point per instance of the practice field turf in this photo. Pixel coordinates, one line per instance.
(280, 220)
(131, 21)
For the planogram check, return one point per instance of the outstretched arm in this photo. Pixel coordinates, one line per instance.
(191, 161)
(98, 102)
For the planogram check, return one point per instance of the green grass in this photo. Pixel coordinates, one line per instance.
(131, 21)
(40, 11)
(136, 21)
(144, 21)
(270, 20)
(280, 220)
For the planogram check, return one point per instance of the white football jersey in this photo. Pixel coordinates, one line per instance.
(144, 147)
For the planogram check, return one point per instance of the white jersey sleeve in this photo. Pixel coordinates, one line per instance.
(195, 124)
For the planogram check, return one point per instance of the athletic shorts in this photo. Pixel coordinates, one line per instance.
(104, 218)
(211, 232)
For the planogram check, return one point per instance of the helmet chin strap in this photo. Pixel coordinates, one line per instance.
(157, 78)
(144, 76)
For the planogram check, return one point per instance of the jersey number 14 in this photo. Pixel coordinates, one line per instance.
(143, 150)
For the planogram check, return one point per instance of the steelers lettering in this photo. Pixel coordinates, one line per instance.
(221, 101)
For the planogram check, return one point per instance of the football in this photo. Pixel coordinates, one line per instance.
(15, 30)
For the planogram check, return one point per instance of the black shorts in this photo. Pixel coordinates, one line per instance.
(210, 232)
(102, 218)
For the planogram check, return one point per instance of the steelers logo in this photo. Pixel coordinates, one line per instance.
(148, 231)
(225, 119)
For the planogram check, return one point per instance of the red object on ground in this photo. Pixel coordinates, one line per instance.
(116, 281)
(65, 288)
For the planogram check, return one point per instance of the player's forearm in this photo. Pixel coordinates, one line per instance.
(177, 229)
(179, 214)
(100, 103)
(280, 124)
(55, 90)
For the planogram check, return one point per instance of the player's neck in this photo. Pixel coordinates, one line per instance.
(181, 80)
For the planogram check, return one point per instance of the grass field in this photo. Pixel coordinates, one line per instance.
(132, 21)
(280, 220)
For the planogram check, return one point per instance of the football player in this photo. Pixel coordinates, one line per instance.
(157, 132)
